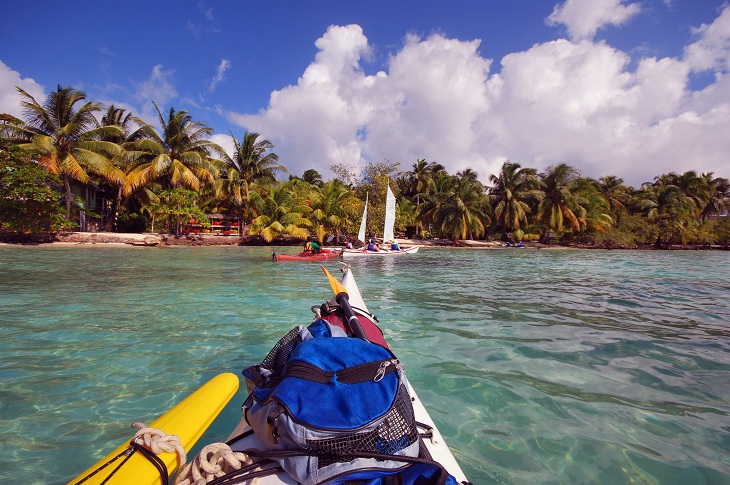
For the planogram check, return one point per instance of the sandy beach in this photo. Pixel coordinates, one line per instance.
(160, 240)
(156, 240)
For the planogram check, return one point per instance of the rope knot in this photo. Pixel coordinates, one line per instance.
(157, 441)
(214, 460)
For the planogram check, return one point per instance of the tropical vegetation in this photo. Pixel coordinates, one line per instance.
(73, 163)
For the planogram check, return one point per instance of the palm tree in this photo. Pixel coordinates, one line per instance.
(467, 173)
(459, 209)
(249, 170)
(511, 192)
(311, 176)
(180, 157)
(420, 183)
(613, 190)
(420, 179)
(334, 208)
(693, 187)
(280, 212)
(69, 140)
(718, 195)
(597, 216)
(133, 129)
(560, 205)
(666, 204)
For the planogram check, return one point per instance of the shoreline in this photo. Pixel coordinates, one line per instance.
(111, 239)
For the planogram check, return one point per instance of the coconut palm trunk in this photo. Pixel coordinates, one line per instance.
(69, 195)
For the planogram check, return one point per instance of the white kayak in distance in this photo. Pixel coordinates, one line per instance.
(364, 253)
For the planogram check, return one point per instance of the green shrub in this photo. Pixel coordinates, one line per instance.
(29, 203)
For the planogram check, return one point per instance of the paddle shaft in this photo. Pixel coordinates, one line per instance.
(352, 321)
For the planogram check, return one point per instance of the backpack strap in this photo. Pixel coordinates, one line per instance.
(440, 477)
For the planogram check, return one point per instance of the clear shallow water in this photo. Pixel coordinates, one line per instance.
(538, 366)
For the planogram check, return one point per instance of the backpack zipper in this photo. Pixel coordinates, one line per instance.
(356, 374)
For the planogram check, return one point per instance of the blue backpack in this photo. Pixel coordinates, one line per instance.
(335, 409)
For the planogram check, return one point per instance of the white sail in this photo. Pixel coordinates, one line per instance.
(361, 234)
(389, 216)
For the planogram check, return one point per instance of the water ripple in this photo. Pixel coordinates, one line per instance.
(538, 366)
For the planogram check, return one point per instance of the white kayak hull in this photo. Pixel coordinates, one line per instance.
(361, 253)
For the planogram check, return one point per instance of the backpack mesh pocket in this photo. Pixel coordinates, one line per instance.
(278, 356)
(274, 362)
(396, 432)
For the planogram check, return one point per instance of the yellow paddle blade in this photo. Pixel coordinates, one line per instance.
(336, 285)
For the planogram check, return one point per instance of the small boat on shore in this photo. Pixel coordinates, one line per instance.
(324, 255)
(330, 403)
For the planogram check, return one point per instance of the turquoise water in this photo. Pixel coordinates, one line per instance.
(558, 366)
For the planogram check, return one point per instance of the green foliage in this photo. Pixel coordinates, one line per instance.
(28, 202)
(252, 168)
(631, 230)
(459, 208)
(281, 213)
(175, 208)
(334, 208)
(512, 192)
(560, 207)
(311, 176)
(68, 139)
(179, 157)
(721, 232)
(131, 222)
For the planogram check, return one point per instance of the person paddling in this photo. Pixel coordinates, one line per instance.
(312, 246)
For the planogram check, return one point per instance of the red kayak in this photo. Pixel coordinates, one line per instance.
(307, 256)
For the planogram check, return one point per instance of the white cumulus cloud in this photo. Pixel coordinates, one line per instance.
(316, 121)
(9, 97)
(712, 50)
(583, 18)
(582, 102)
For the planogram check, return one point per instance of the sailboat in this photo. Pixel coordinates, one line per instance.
(388, 234)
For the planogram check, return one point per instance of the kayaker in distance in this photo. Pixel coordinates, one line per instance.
(373, 246)
(312, 246)
(394, 246)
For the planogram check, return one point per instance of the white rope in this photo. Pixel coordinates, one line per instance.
(214, 460)
(157, 441)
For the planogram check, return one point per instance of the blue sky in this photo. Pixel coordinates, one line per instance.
(619, 87)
